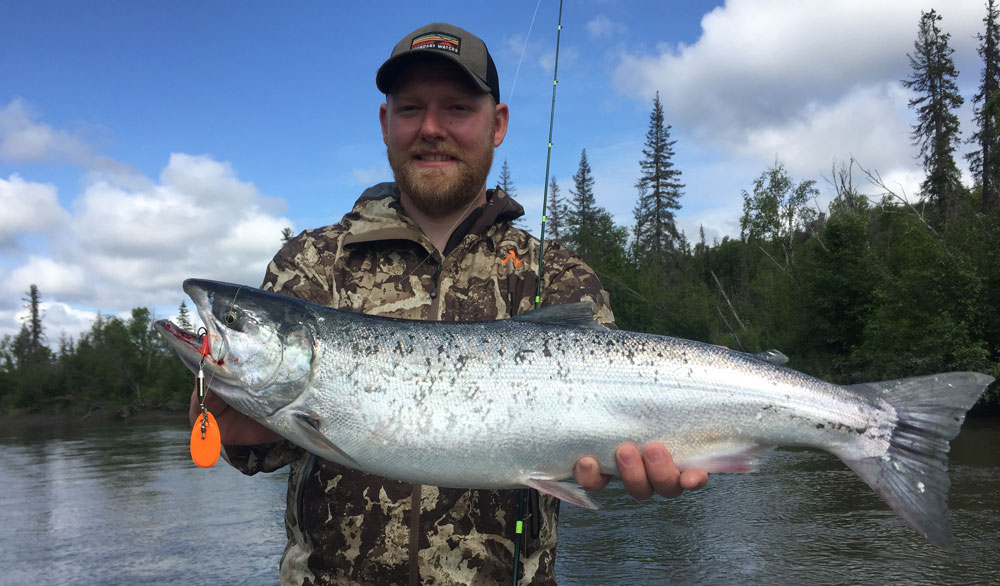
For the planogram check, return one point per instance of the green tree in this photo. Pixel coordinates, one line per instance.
(582, 212)
(286, 234)
(506, 183)
(777, 209)
(555, 215)
(985, 161)
(184, 317)
(659, 190)
(589, 228)
(937, 128)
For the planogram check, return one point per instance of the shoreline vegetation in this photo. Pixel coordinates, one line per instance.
(126, 415)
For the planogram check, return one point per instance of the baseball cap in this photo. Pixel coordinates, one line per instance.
(465, 49)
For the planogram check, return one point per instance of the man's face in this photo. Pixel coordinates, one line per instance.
(440, 132)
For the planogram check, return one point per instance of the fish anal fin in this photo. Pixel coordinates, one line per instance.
(738, 459)
(563, 490)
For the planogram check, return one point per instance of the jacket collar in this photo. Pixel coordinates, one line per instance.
(378, 215)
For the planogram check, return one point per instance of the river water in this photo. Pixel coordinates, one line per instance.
(120, 503)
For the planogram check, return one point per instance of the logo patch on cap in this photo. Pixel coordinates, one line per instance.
(440, 41)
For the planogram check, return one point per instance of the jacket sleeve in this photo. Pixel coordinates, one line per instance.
(567, 279)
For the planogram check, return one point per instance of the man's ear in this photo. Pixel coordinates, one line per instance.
(383, 118)
(500, 124)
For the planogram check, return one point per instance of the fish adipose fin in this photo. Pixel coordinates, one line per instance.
(570, 492)
(309, 426)
(912, 477)
(772, 356)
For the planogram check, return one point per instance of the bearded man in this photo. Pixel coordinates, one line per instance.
(433, 245)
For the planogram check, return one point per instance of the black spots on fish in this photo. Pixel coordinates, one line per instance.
(546, 352)
(522, 356)
(442, 349)
(843, 427)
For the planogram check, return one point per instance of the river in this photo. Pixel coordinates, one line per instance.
(120, 503)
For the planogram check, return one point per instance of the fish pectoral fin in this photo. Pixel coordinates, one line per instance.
(736, 458)
(570, 492)
(309, 428)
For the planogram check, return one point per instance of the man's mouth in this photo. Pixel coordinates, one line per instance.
(434, 158)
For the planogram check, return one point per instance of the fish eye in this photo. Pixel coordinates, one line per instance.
(230, 317)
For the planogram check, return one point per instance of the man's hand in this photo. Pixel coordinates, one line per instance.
(236, 428)
(642, 475)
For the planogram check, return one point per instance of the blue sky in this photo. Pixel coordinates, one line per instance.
(142, 143)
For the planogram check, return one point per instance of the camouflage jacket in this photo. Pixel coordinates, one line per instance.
(349, 527)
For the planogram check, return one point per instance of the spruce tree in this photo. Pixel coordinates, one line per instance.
(589, 229)
(555, 214)
(581, 212)
(506, 183)
(659, 190)
(985, 161)
(936, 131)
(184, 317)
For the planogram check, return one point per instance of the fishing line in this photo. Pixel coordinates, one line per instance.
(523, 48)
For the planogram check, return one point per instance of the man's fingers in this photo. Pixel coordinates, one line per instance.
(633, 472)
(693, 479)
(587, 474)
(661, 471)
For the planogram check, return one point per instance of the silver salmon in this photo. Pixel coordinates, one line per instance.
(516, 402)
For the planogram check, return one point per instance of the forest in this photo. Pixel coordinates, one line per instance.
(872, 286)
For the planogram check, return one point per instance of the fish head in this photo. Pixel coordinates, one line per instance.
(258, 349)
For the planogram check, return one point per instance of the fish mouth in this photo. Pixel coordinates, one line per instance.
(186, 343)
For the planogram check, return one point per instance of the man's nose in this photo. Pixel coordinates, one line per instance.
(432, 125)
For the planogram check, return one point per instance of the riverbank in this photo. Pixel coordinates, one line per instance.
(95, 416)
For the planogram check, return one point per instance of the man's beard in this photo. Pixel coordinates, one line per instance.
(437, 192)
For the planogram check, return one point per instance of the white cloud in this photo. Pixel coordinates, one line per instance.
(28, 207)
(125, 247)
(25, 140)
(22, 140)
(54, 278)
(602, 27)
(783, 67)
(60, 319)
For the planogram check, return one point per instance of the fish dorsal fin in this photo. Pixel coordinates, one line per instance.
(772, 356)
(568, 315)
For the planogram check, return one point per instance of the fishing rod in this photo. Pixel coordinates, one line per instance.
(522, 494)
(548, 161)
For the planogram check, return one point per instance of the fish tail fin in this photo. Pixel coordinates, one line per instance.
(912, 477)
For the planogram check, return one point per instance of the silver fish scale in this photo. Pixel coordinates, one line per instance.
(495, 403)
